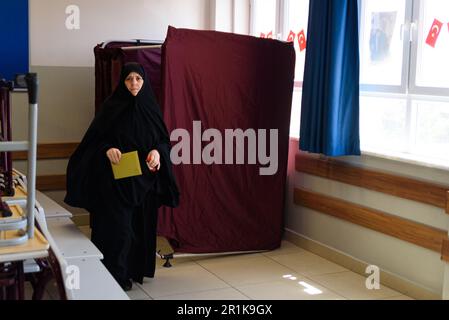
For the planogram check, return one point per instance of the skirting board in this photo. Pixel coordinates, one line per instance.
(387, 279)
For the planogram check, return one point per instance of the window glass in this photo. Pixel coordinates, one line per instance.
(264, 20)
(383, 124)
(296, 28)
(432, 128)
(296, 114)
(381, 42)
(432, 68)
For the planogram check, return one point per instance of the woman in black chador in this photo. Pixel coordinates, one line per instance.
(123, 212)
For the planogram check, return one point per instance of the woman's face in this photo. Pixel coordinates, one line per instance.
(134, 83)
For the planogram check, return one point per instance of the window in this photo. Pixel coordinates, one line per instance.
(404, 104)
(431, 48)
(404, 82)
(285, 20)
(265, 18)
(383, 51)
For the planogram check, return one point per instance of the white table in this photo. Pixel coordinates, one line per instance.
(51, 208)
(71, 242)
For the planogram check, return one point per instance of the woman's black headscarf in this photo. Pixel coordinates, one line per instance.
(128, 123)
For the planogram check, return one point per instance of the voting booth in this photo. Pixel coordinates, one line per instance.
(208, 83)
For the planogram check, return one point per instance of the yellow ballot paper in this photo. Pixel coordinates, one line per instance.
(129, 166)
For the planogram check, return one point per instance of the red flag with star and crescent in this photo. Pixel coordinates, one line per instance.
(291, 36)
(434, 32)
(302, 40)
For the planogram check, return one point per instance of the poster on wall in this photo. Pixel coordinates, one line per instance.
(382, 29)
(14, 51)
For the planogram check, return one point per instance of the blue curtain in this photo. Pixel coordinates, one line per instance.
(14, 38)
(330, 100)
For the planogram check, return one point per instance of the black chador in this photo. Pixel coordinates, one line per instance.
(124, 212)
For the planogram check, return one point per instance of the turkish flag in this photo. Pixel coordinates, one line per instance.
(291, 36)
(262, 35)
(302, 40)
(270, 35)
(434, 33)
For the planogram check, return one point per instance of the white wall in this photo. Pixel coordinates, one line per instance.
(64, 59)
(52, 44)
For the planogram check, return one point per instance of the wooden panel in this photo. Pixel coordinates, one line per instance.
(49, 151)
(447, 202)
(408, 188)
(413, 232)
(53, 182)
(445, 250)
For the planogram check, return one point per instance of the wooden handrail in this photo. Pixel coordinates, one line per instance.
(445, 250)
(51, 182)
(61, 150)
(404, 187)
(413, 232)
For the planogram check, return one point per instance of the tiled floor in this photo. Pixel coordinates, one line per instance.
(289, 273)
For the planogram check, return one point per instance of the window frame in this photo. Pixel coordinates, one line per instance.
(408, 90)
(281, 30)
(405, 74)
(413, 18)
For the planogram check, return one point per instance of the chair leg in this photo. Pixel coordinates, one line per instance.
(50, 270)
(41, 283)
(9, 281)
(20, 281)
(11, 292)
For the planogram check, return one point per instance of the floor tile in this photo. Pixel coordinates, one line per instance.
(401, 297)
(175, 262)
(52, 290)
(286, 248)
(308, 264)
(286, 289)
(137, 293)
(183, 279)
(246, 270)
(225, 257)
(28, 291)
(219, 294)
(352, 286)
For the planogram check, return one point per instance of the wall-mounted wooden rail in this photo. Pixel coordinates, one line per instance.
(445, 250)
(51, 182)
(403, 187)
(426, 192)
(413, 232)
(50, 151)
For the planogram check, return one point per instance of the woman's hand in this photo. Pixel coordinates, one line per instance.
(154, 160)
(114, 155)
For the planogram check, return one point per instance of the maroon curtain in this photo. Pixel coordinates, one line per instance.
(105, 60)
(7, 185)
(227, 81)
(109, 62)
